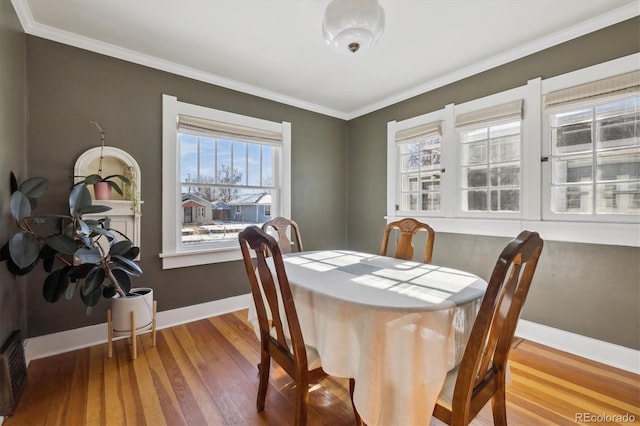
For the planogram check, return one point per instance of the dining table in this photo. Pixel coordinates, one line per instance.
(395, 326)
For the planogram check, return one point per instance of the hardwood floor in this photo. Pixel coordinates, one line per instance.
(205, 372)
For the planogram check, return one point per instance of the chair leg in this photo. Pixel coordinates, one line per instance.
(302, 400)
(263, 371)
(499, 406)
(352, 386)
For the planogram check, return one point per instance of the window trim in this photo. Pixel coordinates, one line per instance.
(579, 77)
(487, 102)
(608, 233)
(174, 254)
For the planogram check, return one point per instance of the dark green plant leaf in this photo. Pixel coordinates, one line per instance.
(33, 202)
(108, 292)
(123, 178)
(20, 206)
(100, 230)
(71, 290)
(15, 269)
(4, 252)
(62, 243)
(46, 225)
(83, 227)
(79, 199)
(124, 281)
(132, 253)
(131, 267)
(86, 255)
(13, 183)
(115, 187)
(120, 248)
(48, 256)
(34, 187)
(91, 179)
(91, 299)
(93, 209)
(81, 271)
(94, 281)
(56, 284)
(24, 249)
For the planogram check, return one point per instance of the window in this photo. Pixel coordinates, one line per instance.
(222, 172)
(420, 167)
(490, 141)
(560, 155)
(594, 133)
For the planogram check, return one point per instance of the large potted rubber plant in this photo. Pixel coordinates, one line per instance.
(81, 255)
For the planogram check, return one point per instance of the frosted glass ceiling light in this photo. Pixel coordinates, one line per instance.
(351, 26)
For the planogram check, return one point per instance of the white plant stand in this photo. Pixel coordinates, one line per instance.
(111, 333)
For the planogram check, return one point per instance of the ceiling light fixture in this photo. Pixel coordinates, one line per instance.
(351, 26)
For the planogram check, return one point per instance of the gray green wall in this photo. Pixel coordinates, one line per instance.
(588, 289)
(339, 177)
(13, 125)
(69, 86)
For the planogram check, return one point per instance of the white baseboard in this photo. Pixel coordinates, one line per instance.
(65, 341)
(607, 353)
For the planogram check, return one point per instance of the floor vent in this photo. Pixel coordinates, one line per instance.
(13, 373)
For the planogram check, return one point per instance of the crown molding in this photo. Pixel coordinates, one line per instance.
(610, 18)
(30, 26)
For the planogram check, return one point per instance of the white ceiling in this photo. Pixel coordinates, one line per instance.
(274, 48)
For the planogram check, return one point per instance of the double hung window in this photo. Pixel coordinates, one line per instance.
(420, 167)
(222, 172)
(490, 141)
(556, 155)
(594, 133)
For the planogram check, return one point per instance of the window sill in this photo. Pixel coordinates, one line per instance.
(200, 257)
(618, 234)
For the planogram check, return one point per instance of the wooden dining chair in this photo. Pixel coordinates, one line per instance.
(408, 227)
(280, 334)
(280, 225)
(481, 375)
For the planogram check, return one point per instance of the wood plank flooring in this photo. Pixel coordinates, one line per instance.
(204, 373)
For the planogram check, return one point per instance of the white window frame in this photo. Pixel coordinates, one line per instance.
(394, 166)
(477, 105)
(532, 182)
(174, 253)
(565, 81)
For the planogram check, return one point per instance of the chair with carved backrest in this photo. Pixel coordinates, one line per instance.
(280, 333)
(407, 228)
(481, 375)
(279, 226)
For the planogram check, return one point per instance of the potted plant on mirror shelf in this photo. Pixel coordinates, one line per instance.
(79, 250)
(102, 186)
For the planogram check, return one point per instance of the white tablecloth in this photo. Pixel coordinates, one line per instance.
(395, 326)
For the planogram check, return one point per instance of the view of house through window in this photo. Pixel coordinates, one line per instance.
(490, 163)
(226, 185)
(596, 158)
(421, 174)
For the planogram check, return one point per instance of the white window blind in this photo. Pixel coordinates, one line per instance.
(507, 111)
(417, 133)
(231, 131)
(590, 92)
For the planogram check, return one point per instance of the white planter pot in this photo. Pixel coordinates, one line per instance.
(140, 301)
